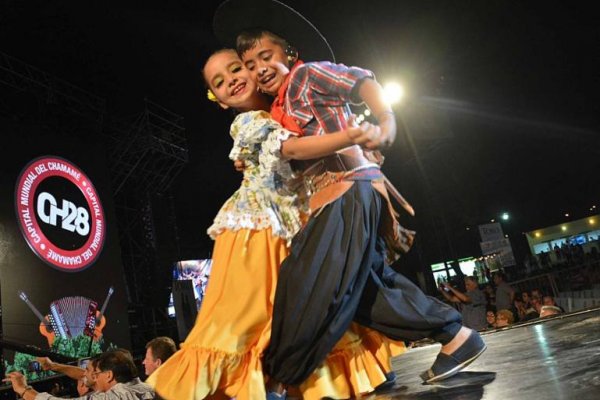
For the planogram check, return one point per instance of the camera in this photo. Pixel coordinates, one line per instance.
(35, 366)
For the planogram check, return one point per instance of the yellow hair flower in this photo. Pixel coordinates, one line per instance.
(211, 96)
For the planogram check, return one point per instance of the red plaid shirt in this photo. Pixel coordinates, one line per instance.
(319, 94)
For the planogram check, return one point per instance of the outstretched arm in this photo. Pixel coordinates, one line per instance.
(449, 297)
(71, 371)
(458, 294)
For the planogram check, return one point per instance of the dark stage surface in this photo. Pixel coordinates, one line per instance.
(555, 359)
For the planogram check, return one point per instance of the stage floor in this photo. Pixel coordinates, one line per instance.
(553, 359)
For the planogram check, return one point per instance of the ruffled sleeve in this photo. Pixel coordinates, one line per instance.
(270, 158)
(248, 131)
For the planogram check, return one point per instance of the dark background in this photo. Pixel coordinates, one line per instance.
(21, 269)
(501, 108)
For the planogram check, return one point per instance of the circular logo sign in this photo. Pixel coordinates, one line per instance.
(60, 214)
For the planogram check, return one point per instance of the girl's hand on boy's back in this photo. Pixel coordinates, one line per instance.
(385, 133)
(363, 134)
(371, 136)
(239, 165)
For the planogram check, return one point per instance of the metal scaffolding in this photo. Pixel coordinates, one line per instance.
(148, 153)
(26, 78)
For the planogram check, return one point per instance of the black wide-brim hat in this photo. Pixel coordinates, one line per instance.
(234, 16)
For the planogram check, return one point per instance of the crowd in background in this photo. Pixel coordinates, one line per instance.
(498, 305)
(111, 375)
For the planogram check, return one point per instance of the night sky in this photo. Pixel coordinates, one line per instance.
(502, 106)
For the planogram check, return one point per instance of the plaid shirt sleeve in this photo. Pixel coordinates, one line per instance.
(333, 81)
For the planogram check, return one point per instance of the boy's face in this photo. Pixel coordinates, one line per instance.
(230, 81)
(268, 65)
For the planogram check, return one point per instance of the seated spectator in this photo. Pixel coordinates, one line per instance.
(548, 301)
(504, 318)
(548, 311)
(158, 350)
(526, 298)
(473, 302)
(533, 311)
(115, 375)
(520, 310)
(491, 319)
(536, 294)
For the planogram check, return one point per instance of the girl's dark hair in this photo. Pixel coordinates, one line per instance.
(249, 38)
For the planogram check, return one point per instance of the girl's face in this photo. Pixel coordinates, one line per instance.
(230, 82)
(491, 318)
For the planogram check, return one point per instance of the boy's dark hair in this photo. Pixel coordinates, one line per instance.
(249, 38)
(162, 347)
(120, 362)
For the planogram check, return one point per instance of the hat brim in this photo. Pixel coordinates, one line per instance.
(234, 16)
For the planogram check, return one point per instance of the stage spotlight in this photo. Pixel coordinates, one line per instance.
(505, 216)
(393, 93)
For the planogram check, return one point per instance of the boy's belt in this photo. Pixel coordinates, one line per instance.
(345, 160)
(318, 174)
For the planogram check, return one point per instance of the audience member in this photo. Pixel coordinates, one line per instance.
(491, 319)
(473, 303)
(115, 377)
(526, 299)
(520, 310)
(536, 294)
(505, 294)
(158, 350)
(504, 318)
(84, 377)
(534, 309)
(549, 301)
(548, 311)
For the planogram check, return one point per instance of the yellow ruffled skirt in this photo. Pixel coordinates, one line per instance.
(221, 357)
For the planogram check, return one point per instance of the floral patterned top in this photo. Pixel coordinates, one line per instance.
(264, 198)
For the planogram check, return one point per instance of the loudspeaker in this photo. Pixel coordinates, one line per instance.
(185, 306)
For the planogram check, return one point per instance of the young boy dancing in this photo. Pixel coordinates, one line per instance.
(338, 268)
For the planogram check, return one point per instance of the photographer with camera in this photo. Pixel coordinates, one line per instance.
(472, 302)
(113, 372)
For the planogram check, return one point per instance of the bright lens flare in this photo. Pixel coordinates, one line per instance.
(393, 93)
